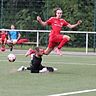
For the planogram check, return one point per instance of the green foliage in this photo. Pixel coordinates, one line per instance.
(23, 14)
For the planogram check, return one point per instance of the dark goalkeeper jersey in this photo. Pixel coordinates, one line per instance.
(36, 61)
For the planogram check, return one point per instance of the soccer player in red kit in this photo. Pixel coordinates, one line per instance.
(3, 39)
(55, 38)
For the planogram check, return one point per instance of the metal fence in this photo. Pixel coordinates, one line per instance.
(37, 39)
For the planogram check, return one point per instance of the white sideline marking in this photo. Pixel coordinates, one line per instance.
(72, 93)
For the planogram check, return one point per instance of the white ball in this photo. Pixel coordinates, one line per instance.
(11, 57)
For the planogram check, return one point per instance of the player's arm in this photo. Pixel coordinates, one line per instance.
(9, 36)
(41, 22)
(74, 25)
(19, 35)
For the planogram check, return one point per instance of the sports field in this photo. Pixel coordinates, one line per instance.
(76, 76)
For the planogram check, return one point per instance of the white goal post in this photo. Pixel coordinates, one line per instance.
(38, 31)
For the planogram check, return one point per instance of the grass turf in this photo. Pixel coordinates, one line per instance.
(75, 73)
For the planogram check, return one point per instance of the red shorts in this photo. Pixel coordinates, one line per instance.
(54, 40)
(3, 40)
(20, 41)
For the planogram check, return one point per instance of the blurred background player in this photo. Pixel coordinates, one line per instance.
(55, 38)
(13, 37)
(36, 66)
(3, 40)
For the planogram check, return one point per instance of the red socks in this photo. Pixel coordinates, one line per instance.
(62, 43)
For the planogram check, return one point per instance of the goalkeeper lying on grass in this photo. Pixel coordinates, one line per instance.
(36, 66)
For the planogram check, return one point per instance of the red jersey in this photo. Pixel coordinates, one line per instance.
(56, 25)
(3, 35)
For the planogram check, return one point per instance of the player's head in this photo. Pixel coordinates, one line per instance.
(58, 12)
(12, 27)
(38, 51)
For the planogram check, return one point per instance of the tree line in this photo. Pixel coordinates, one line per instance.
(23, 13)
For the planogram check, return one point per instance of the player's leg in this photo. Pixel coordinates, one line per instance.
(50, 47)
(22, 68)
(32, 69)
(47, 69)
(47, 51)
(0, 40)
(42, 69)
(66, 38)
(20, 41)
(2, 45)
(10, 44)
(37, 50)
(29, 52)
(51, 69)
(5, 41)
(63, 39)
(14, 41)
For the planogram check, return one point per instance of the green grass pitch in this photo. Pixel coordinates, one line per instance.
(75, 73)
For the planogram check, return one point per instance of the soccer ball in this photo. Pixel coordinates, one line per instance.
(11, 57)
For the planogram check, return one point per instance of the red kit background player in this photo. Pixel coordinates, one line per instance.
(3, 40)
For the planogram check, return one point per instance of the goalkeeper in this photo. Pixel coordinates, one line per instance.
(36, 66)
